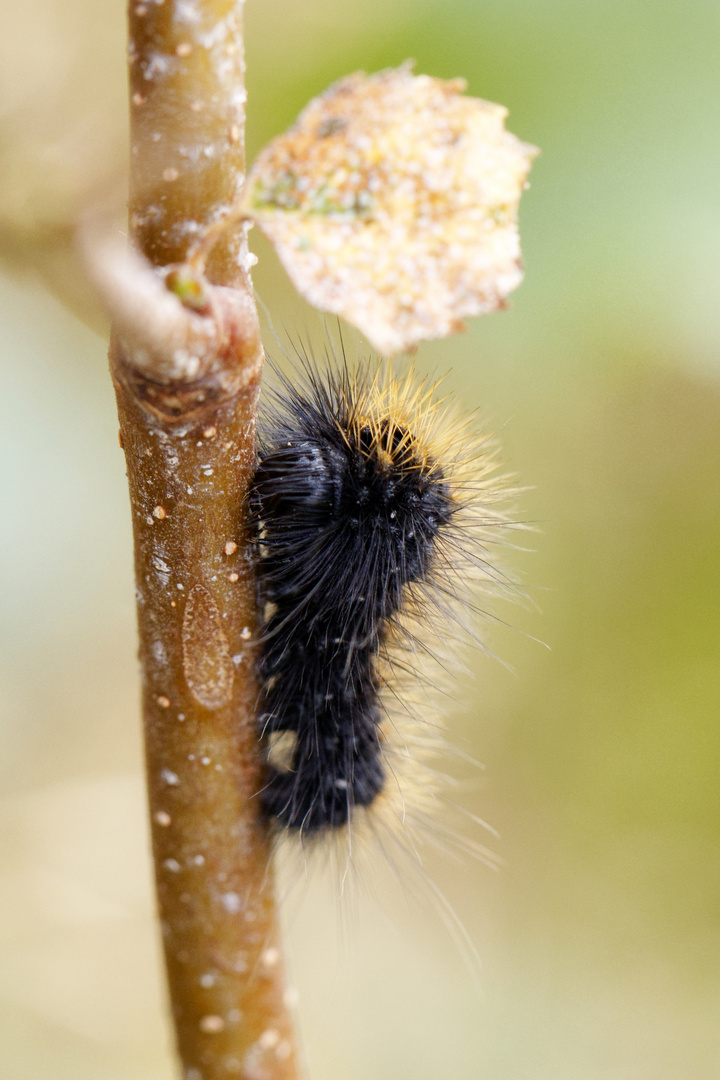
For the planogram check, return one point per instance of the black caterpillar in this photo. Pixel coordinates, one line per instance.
(355, 524)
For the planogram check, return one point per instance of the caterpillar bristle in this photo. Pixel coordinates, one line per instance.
(374, 508)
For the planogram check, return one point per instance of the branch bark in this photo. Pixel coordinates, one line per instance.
(187, 378)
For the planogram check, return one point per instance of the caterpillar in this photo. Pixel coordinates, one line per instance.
(373, 507)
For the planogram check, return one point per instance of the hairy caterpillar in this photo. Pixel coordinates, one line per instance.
(373, 507)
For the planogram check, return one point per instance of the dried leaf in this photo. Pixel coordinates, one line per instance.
(393, 202)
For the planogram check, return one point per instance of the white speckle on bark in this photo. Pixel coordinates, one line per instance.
(158, 651)
(247, 261)
(211, 1025)
(231, 902)
(157, 66)
(256, 1064)
(270, 956)
(170, 778)
(269, 1039)
(172, 865)
(162, 567)
(187, 12)
(216, 36)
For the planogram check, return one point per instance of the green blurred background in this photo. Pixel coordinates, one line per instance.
(599, 937)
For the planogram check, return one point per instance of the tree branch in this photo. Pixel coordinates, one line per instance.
(186, 359)
(187, 94)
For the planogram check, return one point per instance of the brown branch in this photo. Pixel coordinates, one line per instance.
(187, 379)
(187, 95)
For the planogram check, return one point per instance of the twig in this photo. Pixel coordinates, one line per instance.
(186, 359)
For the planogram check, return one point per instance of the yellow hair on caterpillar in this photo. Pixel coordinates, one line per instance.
(375, 507)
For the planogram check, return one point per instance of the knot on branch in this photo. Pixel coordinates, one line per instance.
(180, 343)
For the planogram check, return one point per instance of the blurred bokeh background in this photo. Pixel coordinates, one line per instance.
(600, 937)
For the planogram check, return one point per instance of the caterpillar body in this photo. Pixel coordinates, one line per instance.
(372, 508)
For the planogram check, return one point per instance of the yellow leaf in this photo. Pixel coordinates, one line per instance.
(393, 202)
